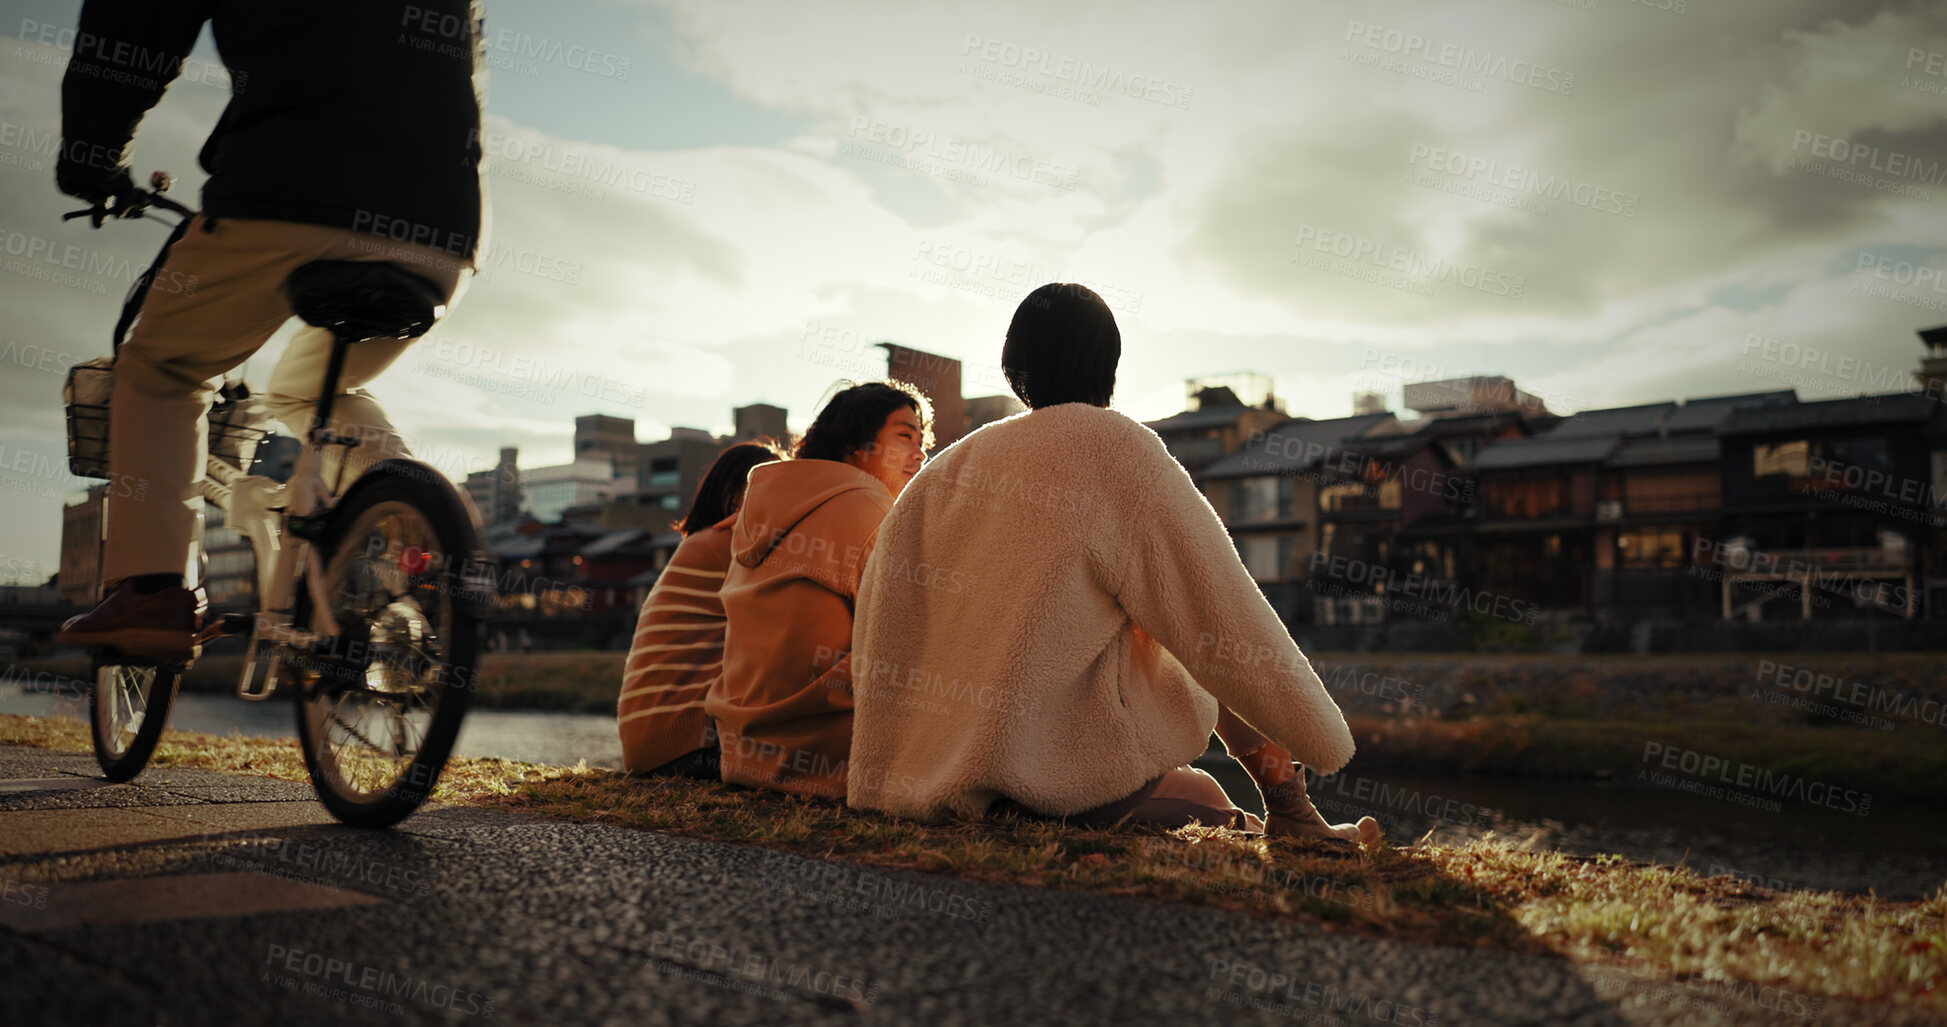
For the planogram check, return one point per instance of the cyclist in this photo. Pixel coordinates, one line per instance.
(352, 133)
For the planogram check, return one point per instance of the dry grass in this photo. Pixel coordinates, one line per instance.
(1716, 937)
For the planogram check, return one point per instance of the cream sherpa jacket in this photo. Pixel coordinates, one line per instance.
(1051, 614)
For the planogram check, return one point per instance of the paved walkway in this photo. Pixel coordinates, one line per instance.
(199, 897)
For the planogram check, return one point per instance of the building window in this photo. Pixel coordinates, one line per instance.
(1650, 547)
(1843, 463)
(671, 501)
(1198, 449)
(664, 473)
(1542, 496)
(1341, 496)
(1265, 498)
(1781, 459)
(1665, 491)
(1267, 557)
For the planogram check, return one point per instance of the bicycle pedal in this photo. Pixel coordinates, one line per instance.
(224, 625)
(258, 681)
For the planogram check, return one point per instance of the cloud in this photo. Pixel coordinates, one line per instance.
(1849, 80)
(1657, 213)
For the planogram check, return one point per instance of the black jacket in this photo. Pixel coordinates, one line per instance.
(361, 114)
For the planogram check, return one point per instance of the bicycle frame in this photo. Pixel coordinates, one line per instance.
(260, 508)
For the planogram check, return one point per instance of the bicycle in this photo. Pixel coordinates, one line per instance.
(370, 596)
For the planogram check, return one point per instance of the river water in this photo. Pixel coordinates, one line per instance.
(1897, 851)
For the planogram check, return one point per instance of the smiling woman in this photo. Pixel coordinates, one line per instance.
(783, 707)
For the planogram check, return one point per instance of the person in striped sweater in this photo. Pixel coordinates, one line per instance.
(677, 652)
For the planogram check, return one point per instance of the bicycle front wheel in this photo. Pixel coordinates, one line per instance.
(380, 703)
(126, 713)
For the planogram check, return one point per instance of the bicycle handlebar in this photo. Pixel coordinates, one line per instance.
(133, 204)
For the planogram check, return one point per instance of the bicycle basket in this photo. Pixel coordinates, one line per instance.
(232, 436)
(86, 396)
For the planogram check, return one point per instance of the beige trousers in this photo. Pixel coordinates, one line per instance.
(216, 300)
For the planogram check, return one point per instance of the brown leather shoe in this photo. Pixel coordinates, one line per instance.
(161, 626)
(1289, 811)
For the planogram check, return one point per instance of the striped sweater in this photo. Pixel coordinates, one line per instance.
(676, 655)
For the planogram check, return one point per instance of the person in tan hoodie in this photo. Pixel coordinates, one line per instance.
(677, 652)
(1054, 619)
(783, 705)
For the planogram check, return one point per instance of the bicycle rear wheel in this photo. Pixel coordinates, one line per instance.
(127, 711)
(379, 708)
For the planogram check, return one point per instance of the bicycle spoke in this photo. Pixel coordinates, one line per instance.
(373, 729)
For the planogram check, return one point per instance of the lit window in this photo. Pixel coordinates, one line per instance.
(1788, 459)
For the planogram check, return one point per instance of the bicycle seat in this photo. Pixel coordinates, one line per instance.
(364, 299)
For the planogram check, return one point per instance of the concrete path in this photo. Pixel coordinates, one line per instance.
(198, 897)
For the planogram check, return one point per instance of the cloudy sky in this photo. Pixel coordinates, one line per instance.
(698, 205)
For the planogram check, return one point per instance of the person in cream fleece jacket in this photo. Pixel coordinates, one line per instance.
(1054, 618)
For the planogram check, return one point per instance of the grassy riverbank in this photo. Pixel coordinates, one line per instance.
(1632, 927)
(1854, 721)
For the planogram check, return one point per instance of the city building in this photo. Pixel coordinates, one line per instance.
(1839, 496)
(80, 570)
(1623, 491)
(1266, 492)
(548, 491)
(761, 421)
(938, 378)
(1477, 394)
(496, 493)
(671, 470)
(1222, 415)
(984, 410)
(1400, 502)
(601, 435)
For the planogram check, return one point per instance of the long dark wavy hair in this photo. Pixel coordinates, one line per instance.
(851, 421)
(721, 492)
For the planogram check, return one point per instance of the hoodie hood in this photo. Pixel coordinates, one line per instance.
(782, 495)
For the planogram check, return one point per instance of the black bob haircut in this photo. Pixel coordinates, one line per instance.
(1062, 347)
(721, 492)
(851, 421)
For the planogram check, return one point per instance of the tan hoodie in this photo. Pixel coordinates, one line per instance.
(1051, 615)
(783, 706)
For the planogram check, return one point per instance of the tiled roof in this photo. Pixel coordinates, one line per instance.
(1293, 446)
(519, 547)
(1636, 420)
(612, 541)
(1707, 412)
(1654, 452)
(1544, 450)
(1700, 414)
(1189, 419)
(1892, 408)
